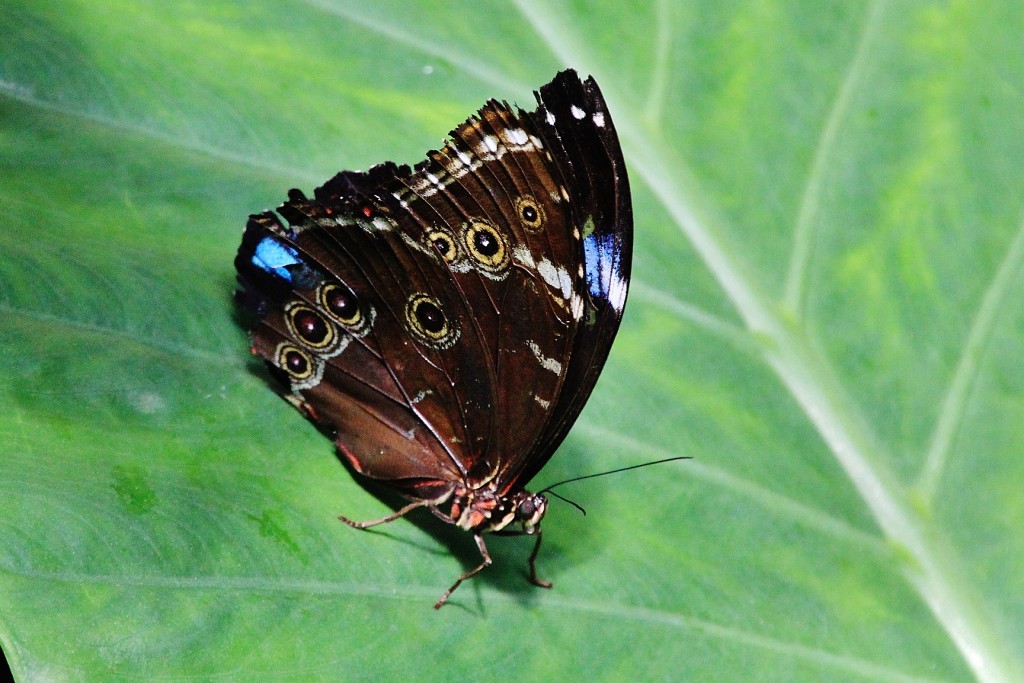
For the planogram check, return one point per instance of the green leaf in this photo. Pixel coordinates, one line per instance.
(827, 313)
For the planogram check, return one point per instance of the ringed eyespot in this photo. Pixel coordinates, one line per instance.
(486, 245)
(444, 243)
(341, 304)
(303, 369)
(309, 327)
(530, 212)
(428, 322)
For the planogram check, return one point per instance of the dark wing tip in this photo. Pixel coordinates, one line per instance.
(573, 115)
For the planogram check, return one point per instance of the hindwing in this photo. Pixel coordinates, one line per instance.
(447, 323)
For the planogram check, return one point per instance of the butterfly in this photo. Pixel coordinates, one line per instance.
(446, 323)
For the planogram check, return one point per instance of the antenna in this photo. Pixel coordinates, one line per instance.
(601, 474)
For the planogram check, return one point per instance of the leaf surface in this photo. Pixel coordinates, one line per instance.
(827, 314)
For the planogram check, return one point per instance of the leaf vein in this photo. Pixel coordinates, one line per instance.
(810, 201)
(954, 402)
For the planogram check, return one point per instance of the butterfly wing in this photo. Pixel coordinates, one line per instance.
(447, 324)
(577, 129)
(362, 331)
(496, 179)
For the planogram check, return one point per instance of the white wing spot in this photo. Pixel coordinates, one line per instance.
(515, 136)
(576, 306)
(522, 255)
(557, 278)
(547, 363)
(599, 119)
(548, 272)
(549, 117)
(566, 280)
(577, 112)
(491, 143)
(543, 404)
(617, 293)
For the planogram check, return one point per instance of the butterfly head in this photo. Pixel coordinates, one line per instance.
(530, 509)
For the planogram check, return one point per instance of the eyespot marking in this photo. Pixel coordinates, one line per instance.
(342, 305)
(486, 246)
(443, 242)
(309, 327)
(302, 369)
(530, 212)
(428, 323)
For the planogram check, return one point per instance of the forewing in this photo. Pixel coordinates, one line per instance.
(577, 129)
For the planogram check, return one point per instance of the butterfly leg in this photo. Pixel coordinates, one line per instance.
(384, 520)
(471, 573)
(533, 565)
(533, 556)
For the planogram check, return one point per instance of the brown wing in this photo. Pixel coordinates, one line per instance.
(492, 194)
(445, 323)
(577, 130)
(339, 308)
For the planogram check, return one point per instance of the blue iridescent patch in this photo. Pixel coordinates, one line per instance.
(274, 257)
(600, 260)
